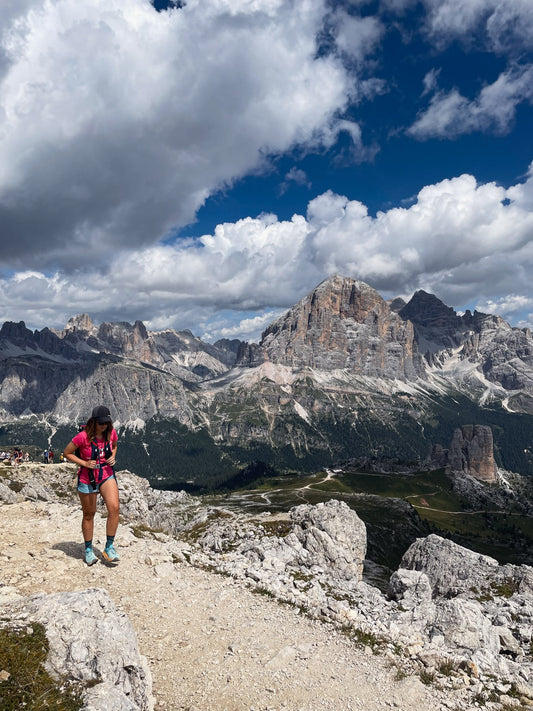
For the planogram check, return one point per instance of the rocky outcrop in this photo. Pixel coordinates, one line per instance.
(159, 510)
(327, 540)
(250, 355)
(448, 606)
(334, 536)
(471, 452)
(90, 642)
(449, 569)
(468, 604)
(344, 323)
(140, 504)
(16, 340)
(504, 355)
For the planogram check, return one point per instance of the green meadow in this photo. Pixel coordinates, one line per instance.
(397, 509)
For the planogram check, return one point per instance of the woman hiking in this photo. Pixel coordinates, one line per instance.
(94, 449)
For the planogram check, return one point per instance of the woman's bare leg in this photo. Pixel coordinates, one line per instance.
(109, 491)
(88, 505)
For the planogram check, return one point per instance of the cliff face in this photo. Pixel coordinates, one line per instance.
(344, 324)
(436, 325)
(504, 355)
(471, 451)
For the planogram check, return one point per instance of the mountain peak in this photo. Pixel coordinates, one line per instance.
(436, 325)
(344, 323)
(81, 322)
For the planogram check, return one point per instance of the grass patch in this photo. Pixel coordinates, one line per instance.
(22, 655)
(433, 486)
(264, 592)
(446, 668)
(506, 588)
(195, 532)
(333, 485)
(427, 677)
(278, 528)
(364, 639)
(142, 531)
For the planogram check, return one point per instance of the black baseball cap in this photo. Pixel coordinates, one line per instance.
(102, 415)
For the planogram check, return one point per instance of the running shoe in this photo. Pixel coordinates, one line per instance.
(111, 555)
(90, 558)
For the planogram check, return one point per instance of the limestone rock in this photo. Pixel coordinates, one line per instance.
(437, 326)
(480, 607)
(334, 536)
(464, 627)
(410, 588)
(344, 323)
(6, 494)
(159, 510)
(450, 568)
(471, 451)
(92, 641)
(503, 354)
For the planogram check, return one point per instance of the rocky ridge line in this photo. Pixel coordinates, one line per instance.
(448, 607)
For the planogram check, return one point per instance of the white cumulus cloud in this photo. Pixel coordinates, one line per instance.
(450, 114)
(469, 243)
(117, 122)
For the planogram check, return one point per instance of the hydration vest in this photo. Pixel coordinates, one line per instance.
(95, 454)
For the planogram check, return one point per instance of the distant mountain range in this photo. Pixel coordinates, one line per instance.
(342, 375)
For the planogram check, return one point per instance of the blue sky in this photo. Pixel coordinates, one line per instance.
(204, 165)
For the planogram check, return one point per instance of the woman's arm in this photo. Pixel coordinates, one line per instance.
(70, 454)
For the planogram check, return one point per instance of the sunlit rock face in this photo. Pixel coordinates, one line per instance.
(471, 451)
(344, 324)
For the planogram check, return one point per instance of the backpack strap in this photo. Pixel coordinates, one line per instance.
(95, 454)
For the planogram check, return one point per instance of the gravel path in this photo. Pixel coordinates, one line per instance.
(212, 644)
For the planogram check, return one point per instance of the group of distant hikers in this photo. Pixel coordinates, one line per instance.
(16, 456)
(48, 456)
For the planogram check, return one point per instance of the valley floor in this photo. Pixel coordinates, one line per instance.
(211, 643)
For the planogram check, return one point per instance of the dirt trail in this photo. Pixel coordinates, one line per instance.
(212, 644)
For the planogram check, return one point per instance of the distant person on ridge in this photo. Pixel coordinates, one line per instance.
(94, 449)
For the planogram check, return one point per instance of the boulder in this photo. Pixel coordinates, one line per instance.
(450, 568)
(463, 627)
(410, 588)
(92, 642)
(334, 536)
